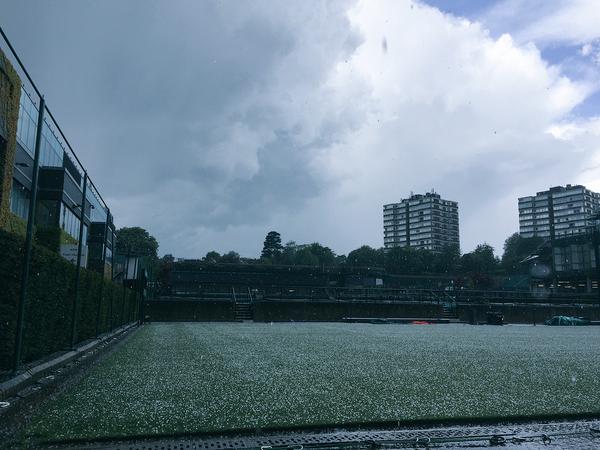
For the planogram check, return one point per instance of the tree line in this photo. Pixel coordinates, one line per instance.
(397, 260)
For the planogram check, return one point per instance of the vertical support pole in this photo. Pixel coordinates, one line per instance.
(141, 286)
(125, 275)
(596, 242)
(138, 305)
(106, 224)
(112, 278)
(78, 268)
(28, 239)
(132, 305)
(110, 312)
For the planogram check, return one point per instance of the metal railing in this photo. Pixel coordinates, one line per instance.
(381, 294)
(90, 196)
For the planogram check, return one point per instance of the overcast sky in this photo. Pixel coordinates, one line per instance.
(210, 123)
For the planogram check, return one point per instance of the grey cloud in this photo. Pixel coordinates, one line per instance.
(148, 89)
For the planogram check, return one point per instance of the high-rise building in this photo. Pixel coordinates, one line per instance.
(423, 221)
(558, 212)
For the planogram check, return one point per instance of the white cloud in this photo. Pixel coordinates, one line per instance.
(586, 49)
(570, 131)
(582, 136)
(446, 107)
(571, 21)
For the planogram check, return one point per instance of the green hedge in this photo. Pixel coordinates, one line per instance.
(49, 237)
(15, 224)
(50, 296)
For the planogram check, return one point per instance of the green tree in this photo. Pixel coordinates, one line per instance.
(324, 255)
(399, 260)
(409, 260)
(165, 266)
(516, 249)
(447, 260)
(340, 260)
(305, 257)
(481, 260)
(314, 254)
(288, 254)
(137, 241)
(212, 257)
(231, 257)
(272, 247)
(366, 256)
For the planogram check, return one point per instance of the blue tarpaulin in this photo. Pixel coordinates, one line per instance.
(567, 321)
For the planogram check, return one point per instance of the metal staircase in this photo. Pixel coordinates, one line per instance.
(242, 305)
(449, 310)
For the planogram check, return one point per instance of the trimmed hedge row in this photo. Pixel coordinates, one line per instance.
(50, 297)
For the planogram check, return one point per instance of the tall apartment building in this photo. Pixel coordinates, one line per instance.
(558, 212)
(424, 221)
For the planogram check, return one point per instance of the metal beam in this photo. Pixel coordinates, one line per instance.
(106, 224)
(28, 239)
(78, 268)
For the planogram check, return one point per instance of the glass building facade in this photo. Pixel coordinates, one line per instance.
(19, 200)
(27, 123)
(61, 183)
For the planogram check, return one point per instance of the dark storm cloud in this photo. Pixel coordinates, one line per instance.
(154, 91)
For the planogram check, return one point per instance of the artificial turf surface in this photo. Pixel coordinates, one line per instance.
(205, 377)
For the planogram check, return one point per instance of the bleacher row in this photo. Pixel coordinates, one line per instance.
(337, 294)
(232, 282)
(179, 278)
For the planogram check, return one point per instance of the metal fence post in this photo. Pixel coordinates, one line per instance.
(133, 304)
(110, 312)
(103, 268)
(595, 243)
(28, 239)
(137, 304)
(78, 268)
(142, 306)
(126, 274)
(112, 279)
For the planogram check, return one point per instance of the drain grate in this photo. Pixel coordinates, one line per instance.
(367, 439)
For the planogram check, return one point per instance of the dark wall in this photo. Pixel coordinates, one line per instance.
(188, 310)
(283, 311)
(515, 313)
(171, 309)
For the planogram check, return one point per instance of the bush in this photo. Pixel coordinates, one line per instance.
(15, 224)
(49, 237)
(50, 297)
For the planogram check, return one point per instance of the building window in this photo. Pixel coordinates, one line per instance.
(51, 152)
(70, 223)
(19, 200)
(26, 125)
